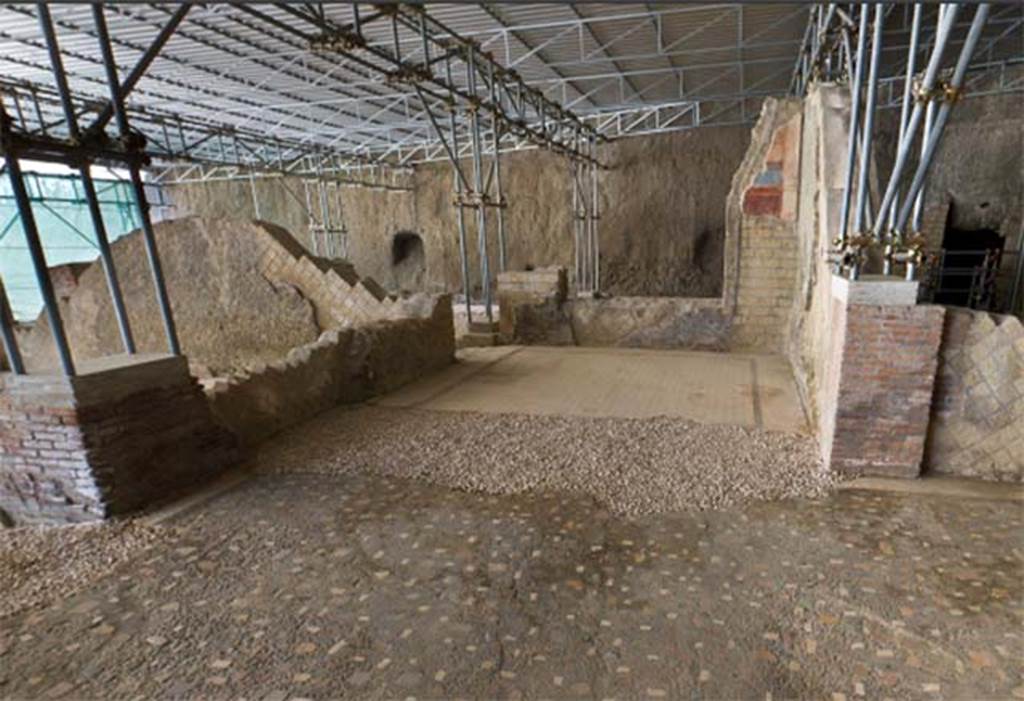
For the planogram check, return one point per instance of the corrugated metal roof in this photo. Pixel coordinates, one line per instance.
(233, 69)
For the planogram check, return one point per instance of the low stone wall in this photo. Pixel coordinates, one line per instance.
(343, 366)
(123, 433)
(977, 416)
(650, 322)
(535, 311)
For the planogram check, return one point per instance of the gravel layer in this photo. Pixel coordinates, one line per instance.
(43, 564)
(632, 466)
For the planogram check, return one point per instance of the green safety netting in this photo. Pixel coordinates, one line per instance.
(65, 228)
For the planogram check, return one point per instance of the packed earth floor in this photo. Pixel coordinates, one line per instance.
(318, 583)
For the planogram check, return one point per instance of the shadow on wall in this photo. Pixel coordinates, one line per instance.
(408, 261)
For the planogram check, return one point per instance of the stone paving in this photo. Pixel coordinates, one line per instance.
(369, 587)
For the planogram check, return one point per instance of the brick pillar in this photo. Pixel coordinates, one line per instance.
(880, 373)
(125, 432)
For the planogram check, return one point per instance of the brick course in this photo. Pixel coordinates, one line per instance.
(878, 387)
(103, 442)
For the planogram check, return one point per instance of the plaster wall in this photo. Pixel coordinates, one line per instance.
(662, 203)
(241, 292)
(820, 195)
(343, 366)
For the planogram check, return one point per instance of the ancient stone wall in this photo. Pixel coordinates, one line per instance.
(977, 418)
(343, 366)
(662, 227)
(823, 146)
(759, 273)
(242, 292)
(112, 439)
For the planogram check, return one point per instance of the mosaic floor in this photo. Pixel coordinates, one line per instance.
(305, 586)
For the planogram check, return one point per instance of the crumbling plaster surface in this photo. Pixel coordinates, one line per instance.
(343, 366)
(662, 224)
(242, 292)
(823, 145)
(227, 313)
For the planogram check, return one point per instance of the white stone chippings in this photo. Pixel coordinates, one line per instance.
(632, 466)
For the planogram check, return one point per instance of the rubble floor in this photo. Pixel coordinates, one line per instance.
(368, 586)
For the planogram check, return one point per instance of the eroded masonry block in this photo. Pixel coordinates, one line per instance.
(124, 432)
(879, 377)
(529, 303)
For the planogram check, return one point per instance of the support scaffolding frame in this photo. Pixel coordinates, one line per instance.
(895, 227)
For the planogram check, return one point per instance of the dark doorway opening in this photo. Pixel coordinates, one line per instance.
(967, 271)
(408, 260)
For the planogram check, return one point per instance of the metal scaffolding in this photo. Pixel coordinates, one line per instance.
(357, 94)
(80, 148)
(928, 97)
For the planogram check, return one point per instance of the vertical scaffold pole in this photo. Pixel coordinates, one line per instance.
(956, 84)
(908, 89)
(39, 267)
(869, 120)
(927, 84)
(500, 200)
(460, 216)
(858, 80)
(142, 205)
(88, 187)
(478, 185)
(594, 213)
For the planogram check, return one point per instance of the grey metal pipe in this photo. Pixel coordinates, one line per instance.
(459, 214)
(143, 63)
(10, 341)
(594, 215)
(977, 25)
(858, 80)
(496, 137)
(478, 179)
(92, 201)
(908, 85)
(42, 272)
(927, 83)
(577, 239)
(869, 120)
(929, 122)
(823, 26)
(795, 83)
(107, 258)
(57, 68)
(141, 205)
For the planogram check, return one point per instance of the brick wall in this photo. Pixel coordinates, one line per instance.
(761, 278)
(766, 285)
(876, 395)
(977, 420)
(110, 440)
